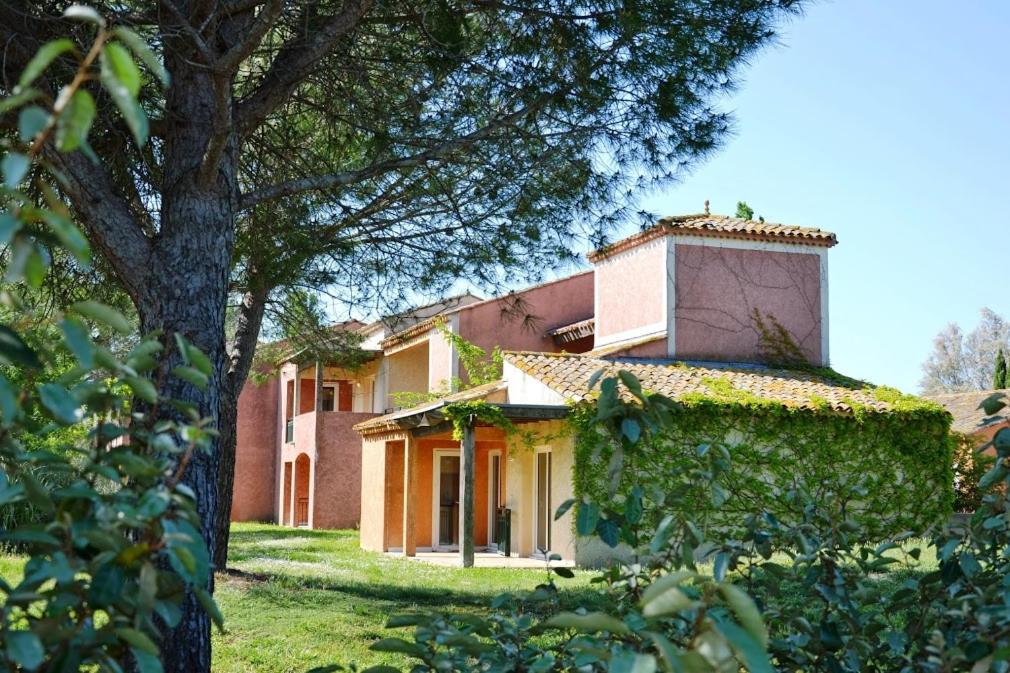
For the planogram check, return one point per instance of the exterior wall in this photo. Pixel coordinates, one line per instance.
(524, 389)
(550, 305)
(631, 293)
(718, 289)
(393, 523)
(373, 500)
(337, 483)
(520, 493)
(256, 452)
(441, 361)
(407, 371)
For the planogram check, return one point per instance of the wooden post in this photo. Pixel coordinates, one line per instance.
(466, 499)
(319, 385)
(409, 495)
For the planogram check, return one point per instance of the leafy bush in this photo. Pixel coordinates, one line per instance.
(969, 469)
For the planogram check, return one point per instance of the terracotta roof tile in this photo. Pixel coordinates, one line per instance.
(569, 375)
(964, 407)
(721, 226)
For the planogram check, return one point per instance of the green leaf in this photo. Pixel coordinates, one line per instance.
(8, 227)
(563, 508)
(8, 402)
(631, 429)
(671, 656)
(210, 607)
(14, 168)
(76, 336)
(104, 314)
(61, 404)
(46, 54)
(146, 662)
(137, 639)
(121, 66)
(191, 375)
(397, 645)
(121, 93)
(83, 13)
(562, 571)
(31, 121)
(142, 51)
(586, 518)
(993, 403)
(70, 236)
(25, 649)
(669, 602)
(664, 583)
(609, 532)
(14, 351)
(749, 649)
(591, 622)
(142, 388)
(18, 99)
(746, 612)
(74, 123)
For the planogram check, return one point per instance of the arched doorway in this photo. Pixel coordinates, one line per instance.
(302, 467)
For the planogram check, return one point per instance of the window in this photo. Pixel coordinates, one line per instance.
(329, 397)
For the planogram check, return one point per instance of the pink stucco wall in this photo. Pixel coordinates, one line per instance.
(630, 294)
(550, 305)
(337, 497)
(717, 290)
(439, 363)
(256, 452)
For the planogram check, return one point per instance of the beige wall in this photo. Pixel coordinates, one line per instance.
(407, 371)
(373, 501)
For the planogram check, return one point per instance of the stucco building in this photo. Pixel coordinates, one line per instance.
(699, 291)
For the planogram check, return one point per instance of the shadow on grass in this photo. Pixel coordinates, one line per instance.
(286, 532)
(406, 595)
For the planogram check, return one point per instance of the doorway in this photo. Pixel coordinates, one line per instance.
(445, 515)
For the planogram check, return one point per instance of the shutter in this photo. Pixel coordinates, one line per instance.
(346, 391)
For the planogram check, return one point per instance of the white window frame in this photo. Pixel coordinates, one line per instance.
(436, 491)
(491, 513)
(537, 553)
(336, 395)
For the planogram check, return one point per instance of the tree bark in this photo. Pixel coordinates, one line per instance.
(250, 319)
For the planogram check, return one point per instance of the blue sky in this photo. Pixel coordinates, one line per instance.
(887, 122)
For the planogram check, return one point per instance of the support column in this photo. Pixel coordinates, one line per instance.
(466, 499)
(409, 496)
(319, 386)
(297, 409)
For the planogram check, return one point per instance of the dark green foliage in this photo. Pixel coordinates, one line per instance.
(744, 211)
(999, 377)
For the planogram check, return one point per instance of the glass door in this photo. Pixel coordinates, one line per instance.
(542, 507)
(494, 498)
(447, 519)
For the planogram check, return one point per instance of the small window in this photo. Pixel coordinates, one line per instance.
(329, 397)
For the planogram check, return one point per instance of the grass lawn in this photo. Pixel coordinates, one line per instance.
(314, 598)
(297, 599)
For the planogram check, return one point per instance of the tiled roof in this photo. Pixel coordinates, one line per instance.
(721, 226)
(569, 375)
(389, 421)
(964, 407)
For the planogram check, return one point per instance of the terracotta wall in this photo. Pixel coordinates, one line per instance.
(337, 501)
(631, 293)
(256, 452)
(717, 290)
(550, 305)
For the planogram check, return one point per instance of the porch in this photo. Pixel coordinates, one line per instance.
(484, 499)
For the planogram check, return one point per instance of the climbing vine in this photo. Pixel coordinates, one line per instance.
(891, 471)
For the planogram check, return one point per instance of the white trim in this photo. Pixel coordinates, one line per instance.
(825, 333)
(436, 491)
(526, 389)
(633, 334)
(493, 453)
(336, 395)
(596, 306)
(536, 495)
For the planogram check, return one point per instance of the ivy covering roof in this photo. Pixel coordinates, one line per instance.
(569, 376)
